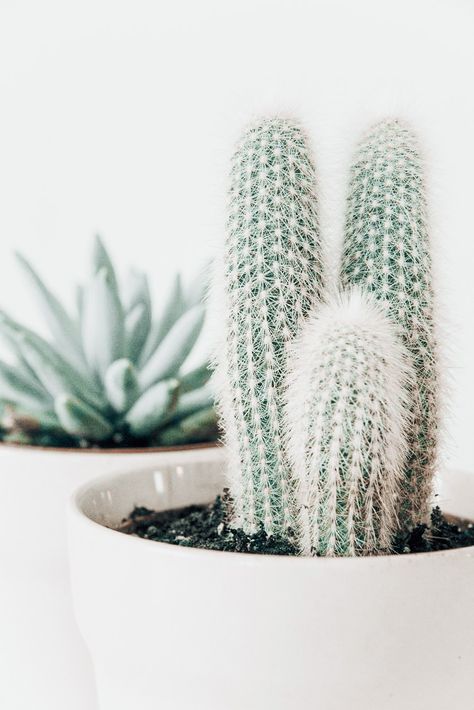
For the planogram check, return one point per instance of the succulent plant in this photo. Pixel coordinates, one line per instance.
(347, 421)
(272, 275)
(112, 375)
(387, 252)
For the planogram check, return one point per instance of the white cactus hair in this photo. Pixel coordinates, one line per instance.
(347, 415)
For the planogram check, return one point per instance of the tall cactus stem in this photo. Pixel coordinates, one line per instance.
(387, 252)
(272, 274)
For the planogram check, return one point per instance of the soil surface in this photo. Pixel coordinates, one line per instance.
(205, 527)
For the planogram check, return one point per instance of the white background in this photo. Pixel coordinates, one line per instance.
(119, 117)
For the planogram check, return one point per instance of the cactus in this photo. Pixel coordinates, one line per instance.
(347, 420)
(330, 411)
(387, 251)
(272, 275)
(113, 375)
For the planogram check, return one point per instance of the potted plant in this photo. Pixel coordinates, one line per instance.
(109, 390)
(330, 410)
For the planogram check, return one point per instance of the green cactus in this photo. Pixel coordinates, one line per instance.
(387, 252)
(113, 375)
(272, 274)
(347, 420)
(330, 411)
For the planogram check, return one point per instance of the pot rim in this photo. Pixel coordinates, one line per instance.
(117, 450)
(165, 548)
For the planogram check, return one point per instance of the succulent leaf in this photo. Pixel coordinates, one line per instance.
(191, 402)
(9, 333)
(137, 323)
(197, 377)
(81, 420)
(175, 348)
(62, 327)
(54, 373)
(200, 426)
(136, 290)
(153, 408)
(103, 330)
(22, 390)
(101, 260)
(173, 309)
(121, 385)
(196, 290)
(79, 302)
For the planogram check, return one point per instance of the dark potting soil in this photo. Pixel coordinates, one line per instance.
(206, 527)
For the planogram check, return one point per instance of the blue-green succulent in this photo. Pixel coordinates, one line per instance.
(113, 373)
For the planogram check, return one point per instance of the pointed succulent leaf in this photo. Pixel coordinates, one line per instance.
(79, 301)
(136, 290)
(174, 349)
(200, 426)
(103, 323)
(62, 327)
(12, 344)
(121, 385)
(13, 332)
(81, 420)
(195, 292)
(19, 389)
(153, 408)
(197, 377)
(9, 335)
(54, 373)
(172, 311)
(137, 325)
(193, 401)
(101, 260)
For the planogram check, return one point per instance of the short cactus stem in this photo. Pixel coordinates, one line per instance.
(387, 252)
(347, 422)
(272, 275)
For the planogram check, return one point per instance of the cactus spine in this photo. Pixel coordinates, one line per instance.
(347, 419)
(272, 276)
(387, 250)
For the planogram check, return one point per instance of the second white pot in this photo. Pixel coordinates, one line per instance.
(188, 629)
(44, 663)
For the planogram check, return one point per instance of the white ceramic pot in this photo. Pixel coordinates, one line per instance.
(44, 664)
(186, 629)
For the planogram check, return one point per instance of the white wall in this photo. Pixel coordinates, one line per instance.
(120, 117)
